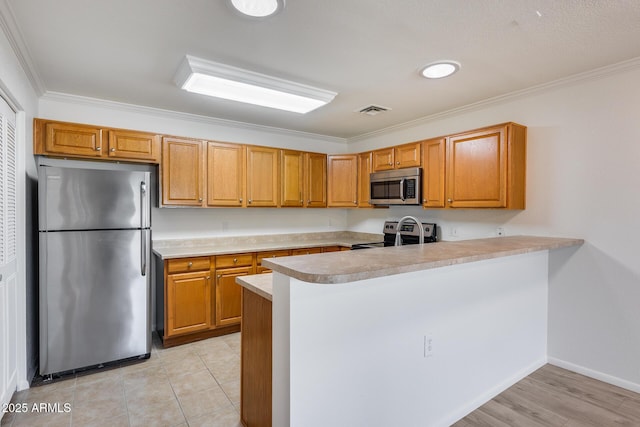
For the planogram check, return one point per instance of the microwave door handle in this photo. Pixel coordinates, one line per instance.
(402, 190)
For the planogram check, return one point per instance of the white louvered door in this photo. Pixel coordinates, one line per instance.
(8, 264)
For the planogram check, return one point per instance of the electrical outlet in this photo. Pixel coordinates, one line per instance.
(428, 346)
(500, 231)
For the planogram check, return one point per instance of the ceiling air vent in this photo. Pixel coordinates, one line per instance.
(372, 110)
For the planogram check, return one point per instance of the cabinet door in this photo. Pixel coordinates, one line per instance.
(188, 302)
(292, 178)
(433, 174)
(182, 171)
(229, 295)
(124, 144)
(73, 139)
(477, 169)
(383, 159)
(225, 174)
(364, 182)
(342, 181)
(408, 155)
(316, 180)
(262, 177)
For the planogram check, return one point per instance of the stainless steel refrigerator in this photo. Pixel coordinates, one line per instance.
(95, 237)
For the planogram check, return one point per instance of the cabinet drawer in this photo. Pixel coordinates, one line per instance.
(271, 254)
(234, 260)
(188, 264)
(306, 251)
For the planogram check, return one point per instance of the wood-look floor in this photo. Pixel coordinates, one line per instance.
(555, 397)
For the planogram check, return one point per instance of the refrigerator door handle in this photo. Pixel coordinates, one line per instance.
(143, 205)
(143, 252)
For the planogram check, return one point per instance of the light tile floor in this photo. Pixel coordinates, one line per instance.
(196, 384)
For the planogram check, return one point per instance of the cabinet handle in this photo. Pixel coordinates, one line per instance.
(390, 163)
(240, 200)
(200, 199)
(98, 148)
(397, 163)
(449, 200)
(219, 276)
(189, 264)
(208, 277)
(424, 200)
(250, 201)
(113, 150)
(235, 260)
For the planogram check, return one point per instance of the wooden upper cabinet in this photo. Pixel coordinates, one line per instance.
(89, 141)
(69, 139)
(433, 173)
(383, 159)
(486, 168)
(291, 178)
(315, 180)
(402, 156)
(183, 172)
(262, 176)
(408, 155)
(364, 182)
(225, 174)
(342, 180)
(125, 144)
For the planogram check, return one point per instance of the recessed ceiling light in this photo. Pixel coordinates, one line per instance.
(258, 8)
(236, 84)
(440, 69)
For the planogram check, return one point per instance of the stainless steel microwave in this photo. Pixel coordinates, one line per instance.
(396, 187)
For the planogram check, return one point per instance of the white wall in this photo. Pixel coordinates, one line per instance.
(189, 222)
(16, 88)
(356, 350)
(583, 178)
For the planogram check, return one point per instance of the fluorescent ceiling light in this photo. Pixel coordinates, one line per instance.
(440, 69)
(258, 8)
(227, 82)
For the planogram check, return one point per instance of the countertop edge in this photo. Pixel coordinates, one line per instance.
(476, 253)
(261, 284)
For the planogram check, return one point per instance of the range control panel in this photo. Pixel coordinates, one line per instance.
(410, 229)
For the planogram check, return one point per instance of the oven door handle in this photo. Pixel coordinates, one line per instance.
(402, 189)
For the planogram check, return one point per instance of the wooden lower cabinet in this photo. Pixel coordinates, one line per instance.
(188, 295)
(270, 254)
(229, 294)
(256, 361)
(189, 307)
(306, 251)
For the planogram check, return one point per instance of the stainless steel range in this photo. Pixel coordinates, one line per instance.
(409, 234)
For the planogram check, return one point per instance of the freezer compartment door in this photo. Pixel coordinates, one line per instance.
(85, 199)
(94, 298)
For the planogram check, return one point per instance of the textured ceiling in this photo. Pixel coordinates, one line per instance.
(367, 51)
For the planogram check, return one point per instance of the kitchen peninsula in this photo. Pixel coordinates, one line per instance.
(411, 335)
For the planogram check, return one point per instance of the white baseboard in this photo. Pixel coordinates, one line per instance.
(610, 379)
(471, 406)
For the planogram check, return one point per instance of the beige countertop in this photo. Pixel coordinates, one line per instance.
(350, 266)
(180, 248)
(261, 284)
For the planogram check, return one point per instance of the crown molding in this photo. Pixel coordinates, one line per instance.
(597, 73)
(162, 113)
(16, 40)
